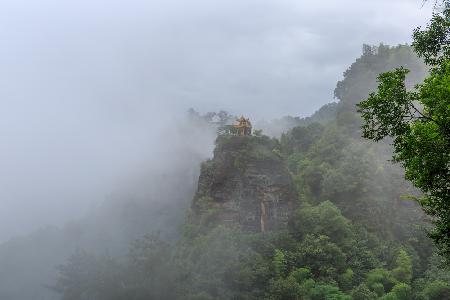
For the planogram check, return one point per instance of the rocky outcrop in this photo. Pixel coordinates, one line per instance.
(246, 183)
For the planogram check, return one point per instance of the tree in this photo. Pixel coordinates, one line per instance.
(279, 263)
(86, 276)
(437, 290)
(418, 121)
(401, 291)
(324, 258)
(325, 291)
(403, 270)
(151, 269)
(362, 292)
(323, 219)
(285, 289)
(379, 280)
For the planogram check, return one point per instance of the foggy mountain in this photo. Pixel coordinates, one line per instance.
(87, 86)
(100, 153)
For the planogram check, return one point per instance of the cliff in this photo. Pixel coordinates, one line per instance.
(246, 183)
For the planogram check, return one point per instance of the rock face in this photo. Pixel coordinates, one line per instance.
(246, 183)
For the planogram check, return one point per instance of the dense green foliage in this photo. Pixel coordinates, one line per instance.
(323, 256)
(356, 235)
(419, 123)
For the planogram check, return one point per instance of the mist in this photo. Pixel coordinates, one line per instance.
(93, 93)
(117, 183)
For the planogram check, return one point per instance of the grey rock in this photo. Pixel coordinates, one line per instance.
(246, 183)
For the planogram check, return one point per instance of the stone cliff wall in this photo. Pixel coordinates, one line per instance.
(246, 183)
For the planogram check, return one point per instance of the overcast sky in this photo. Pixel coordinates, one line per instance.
(85, 83)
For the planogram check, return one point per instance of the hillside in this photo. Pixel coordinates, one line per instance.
(317, 214)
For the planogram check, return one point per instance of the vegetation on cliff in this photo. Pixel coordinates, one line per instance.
(352, 233)
(246, 183)
(355, 235)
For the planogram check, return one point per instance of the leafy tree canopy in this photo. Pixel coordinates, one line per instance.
(418, 121)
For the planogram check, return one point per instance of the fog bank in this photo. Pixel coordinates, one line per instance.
(92, 92)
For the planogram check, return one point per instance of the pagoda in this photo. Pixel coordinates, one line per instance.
(243, 126)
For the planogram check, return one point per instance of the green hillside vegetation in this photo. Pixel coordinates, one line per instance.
(355, 235)
(418, 122)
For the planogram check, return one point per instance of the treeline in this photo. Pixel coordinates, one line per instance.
(356, 235)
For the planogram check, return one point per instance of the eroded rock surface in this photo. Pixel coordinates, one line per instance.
(246, 183)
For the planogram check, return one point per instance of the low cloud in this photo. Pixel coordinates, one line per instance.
(87, 87)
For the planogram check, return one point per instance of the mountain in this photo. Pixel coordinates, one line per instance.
(246, 183)
(318, 213)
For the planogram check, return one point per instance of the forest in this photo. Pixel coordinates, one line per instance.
(356, 235)
(370, 196)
